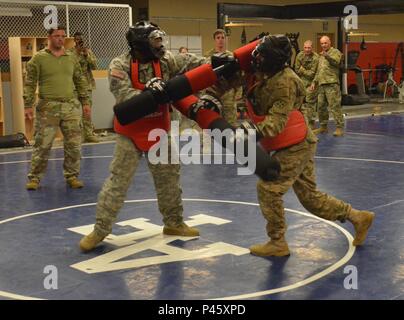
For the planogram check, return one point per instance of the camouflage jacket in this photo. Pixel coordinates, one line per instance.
(328, 67)
(275, 97)
(119, 72)
(185, 61)
(306, 66)
(213, 51)
(57, 78)
(87, 63)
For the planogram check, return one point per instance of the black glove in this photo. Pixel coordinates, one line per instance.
(249, 125)
(158, 88)
(224, 65)
(266, 168)
(206, 101)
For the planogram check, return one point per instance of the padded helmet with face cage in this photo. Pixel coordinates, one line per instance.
(272, 53)
(147, 40)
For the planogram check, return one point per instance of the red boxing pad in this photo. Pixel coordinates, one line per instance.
(201, 77)
(243, 55)
(184, 104)
(205, 117)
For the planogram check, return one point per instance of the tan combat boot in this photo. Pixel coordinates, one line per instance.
(320, 130)
(33, 184)
(277, 248)
(90, 241)
(181, 230)
(361, 220)
(338, 132)
(75, 183)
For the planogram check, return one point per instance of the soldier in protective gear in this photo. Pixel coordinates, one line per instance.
(276, 94)
(129, 74)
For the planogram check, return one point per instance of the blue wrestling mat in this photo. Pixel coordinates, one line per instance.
(40, 230)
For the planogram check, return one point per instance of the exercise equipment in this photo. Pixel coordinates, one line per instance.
(351, 58)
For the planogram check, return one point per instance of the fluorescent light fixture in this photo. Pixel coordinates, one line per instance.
(15, 12)
(362, 34)
(242, 24)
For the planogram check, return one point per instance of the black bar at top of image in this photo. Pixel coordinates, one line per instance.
(309, 10)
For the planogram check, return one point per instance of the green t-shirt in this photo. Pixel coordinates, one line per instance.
(57, 77)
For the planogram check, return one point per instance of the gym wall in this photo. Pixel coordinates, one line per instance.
(199, 18)
(183, 17)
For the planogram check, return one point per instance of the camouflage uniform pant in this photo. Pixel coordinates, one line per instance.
(229, 112)
(297, 171)
(330, 94)
(51, 115)
(111, 198)
(88, 127)
(309, 107)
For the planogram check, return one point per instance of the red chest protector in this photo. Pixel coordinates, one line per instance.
(138, 131)
(295, 130)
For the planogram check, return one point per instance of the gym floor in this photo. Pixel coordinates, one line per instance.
(40, 231)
